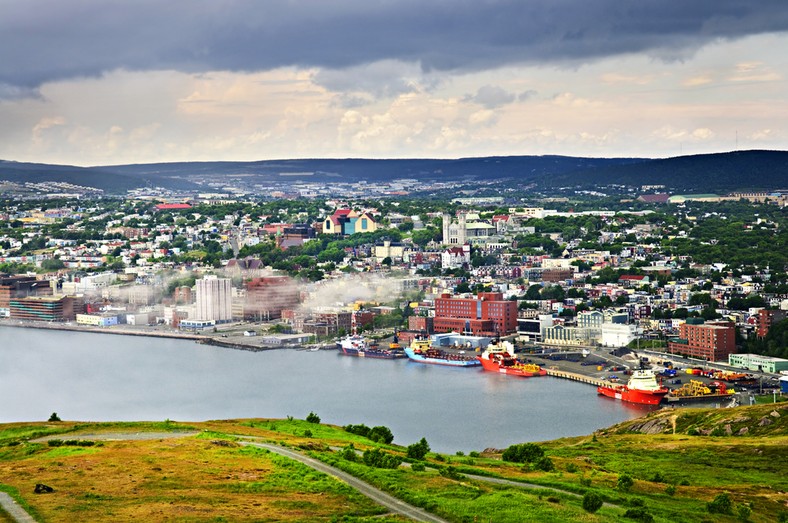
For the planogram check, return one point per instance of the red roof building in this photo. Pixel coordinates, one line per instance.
(172, 206)
(486, 315)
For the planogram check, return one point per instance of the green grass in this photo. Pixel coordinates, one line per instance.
(674, 475)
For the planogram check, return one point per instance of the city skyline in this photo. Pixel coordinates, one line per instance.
(88, 83)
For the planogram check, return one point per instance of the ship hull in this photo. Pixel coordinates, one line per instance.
(513, 370)
(441, 361)
(641, 397)
(371, 353)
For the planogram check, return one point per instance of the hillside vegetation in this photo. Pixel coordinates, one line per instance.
(670, 466)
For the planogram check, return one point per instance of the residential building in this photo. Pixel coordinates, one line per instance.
(767, 318)
(214, 299)
(266, 297)
(488, 314)
(713, 341)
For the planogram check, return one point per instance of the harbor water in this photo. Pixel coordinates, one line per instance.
(105, 377)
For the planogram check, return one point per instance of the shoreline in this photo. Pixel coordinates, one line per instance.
(233, 342)
(21, 324)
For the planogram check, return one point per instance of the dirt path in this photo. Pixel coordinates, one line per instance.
(13, 509)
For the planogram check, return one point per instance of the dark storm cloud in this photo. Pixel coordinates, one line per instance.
(44, 40)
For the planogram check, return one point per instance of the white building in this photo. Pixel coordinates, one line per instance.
(214, 299)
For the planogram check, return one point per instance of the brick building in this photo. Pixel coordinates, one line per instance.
(713, 341)
(266, 297)
(767, 318)
(488, 314)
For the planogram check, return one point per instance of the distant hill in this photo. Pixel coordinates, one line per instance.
(355, 169)
(720, 172)
(108, 181)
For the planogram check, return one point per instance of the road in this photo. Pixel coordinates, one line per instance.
(390, 502)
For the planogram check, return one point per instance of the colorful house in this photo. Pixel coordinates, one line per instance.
(347, 221)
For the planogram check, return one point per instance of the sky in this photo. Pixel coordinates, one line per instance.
(106, 82)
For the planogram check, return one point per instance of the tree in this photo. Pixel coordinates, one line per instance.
(625, 483)
(533, 292)
(313, 418)
(54, 417)
(523, 453)
(721, 504)
(592, 502)
(418, 450)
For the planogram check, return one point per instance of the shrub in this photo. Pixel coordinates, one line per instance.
(450, 472)
(571, 468)
(586, 482)
(418, 450)
(545, 464)
(307, 433)
(744, 512)
(639, 514)
(473, 454)
(54, 417)
(382, 460)
(523, 453)
(592, 502)
(381, 434)
(658, 478)
(721, 504)
(625, 483)
(313, 418)
(670, 490)
(349, 453)
(418, 467)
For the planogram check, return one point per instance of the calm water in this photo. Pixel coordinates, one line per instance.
(102, 377)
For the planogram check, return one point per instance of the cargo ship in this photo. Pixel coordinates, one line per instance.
(499, 357)
(698, 391)
(358, 346)
(641, 388)
(427, 351)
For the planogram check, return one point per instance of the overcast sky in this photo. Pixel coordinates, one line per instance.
(96, 82)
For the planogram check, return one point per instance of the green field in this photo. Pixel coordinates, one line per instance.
(665, 467)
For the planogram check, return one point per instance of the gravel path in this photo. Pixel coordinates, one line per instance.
(390, 502)
(13, 509)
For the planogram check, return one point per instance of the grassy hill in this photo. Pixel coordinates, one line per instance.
(665, 467)
(721, 172)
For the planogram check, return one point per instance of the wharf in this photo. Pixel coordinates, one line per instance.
(579, 377)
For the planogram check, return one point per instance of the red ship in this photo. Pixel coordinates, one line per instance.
(641, 388)
(497, 358)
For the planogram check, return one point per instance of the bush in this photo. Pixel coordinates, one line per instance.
(670, 490)
(379, 434)
(523, 453)
(418, 467)
(313, 418)
(349, 453)
(639, 514)
(625, 483)
(418, 450)
(658, 478)
(572, 468)
(473, 454)
(744, 512)
(592, 502)
(382, 460)
(54, 417)
(450, 472)
(545, 464)
(307, 433)
(721, 504)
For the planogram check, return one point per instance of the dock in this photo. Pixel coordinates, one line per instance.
(579, 377)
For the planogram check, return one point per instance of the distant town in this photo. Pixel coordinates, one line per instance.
(696, 275)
